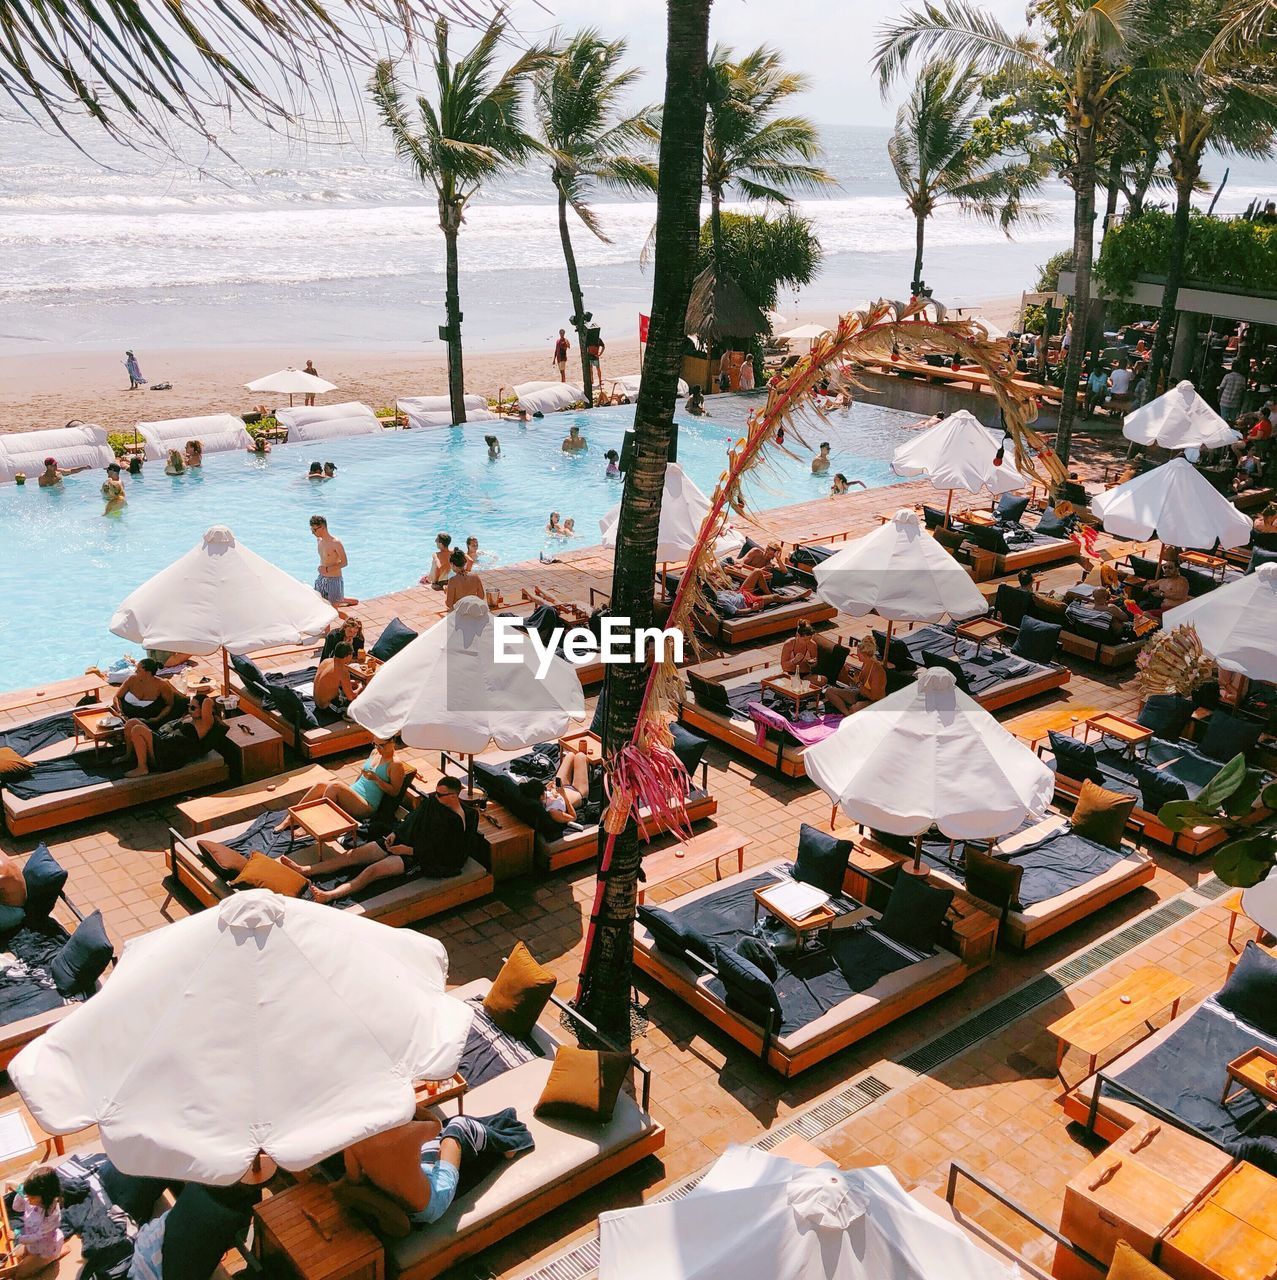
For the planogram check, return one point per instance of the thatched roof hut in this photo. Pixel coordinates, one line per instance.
(719, 309)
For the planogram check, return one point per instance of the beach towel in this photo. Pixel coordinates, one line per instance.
(805, 732)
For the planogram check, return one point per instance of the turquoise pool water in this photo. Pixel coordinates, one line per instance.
(66, 566)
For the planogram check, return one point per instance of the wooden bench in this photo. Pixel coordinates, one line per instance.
(690, 855)
(205, 813)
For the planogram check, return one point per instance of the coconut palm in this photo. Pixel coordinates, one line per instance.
(606, 977)
(469, 134)
(1246, 25)
(577, 99)
(939, 160)
(1081, 50)
(135, 67)
(748, 147)
(1212, 95)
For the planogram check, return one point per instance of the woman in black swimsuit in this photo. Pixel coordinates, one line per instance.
(177, 743)
(144, 696)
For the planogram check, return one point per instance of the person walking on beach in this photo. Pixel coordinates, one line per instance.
(134, 370)
(329, 582)
(561, 348)
(314, 373)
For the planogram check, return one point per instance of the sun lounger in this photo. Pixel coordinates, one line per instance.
(1065, 877)
(1017, 546)
(291, 712)
(1085, 632)
(781, 616)
(71, 782)
(828, 1000)
(544, 614)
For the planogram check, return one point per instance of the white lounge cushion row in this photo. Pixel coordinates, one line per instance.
(628, 383)
(563, 1149)
(324, 422)
(439, 404)
(83, 445)
(419, 415)
(216, 432)
(552, 397)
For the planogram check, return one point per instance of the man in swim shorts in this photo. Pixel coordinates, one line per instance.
(332, 560)
(334, 684)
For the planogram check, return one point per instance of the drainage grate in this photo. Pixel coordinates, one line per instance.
(1212, 887)
(577, 1263)
(833, 1111)
(1125, 939)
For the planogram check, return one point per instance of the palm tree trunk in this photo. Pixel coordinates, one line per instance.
(920, 234)
(1185, 177)
(1112, 189)
(452, 307)
(1083, 254)
(607, 976)
(716, 229)
(578, 299)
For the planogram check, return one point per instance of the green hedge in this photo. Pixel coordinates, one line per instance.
(1222, 253)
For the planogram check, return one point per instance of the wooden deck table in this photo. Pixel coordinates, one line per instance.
(1114, 1014)
(324, 821)
(1127, 732)
(1255, 1071)
(709, 846)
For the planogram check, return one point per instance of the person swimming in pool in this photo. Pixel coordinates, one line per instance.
(842, 485)
(53, 474)
(175, 464)
(113, 491)
(194, 455)
(316, 472)
(494, 447)
(553, 525)
(613, 463)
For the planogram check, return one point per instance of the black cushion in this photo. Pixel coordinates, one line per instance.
(709, 694)
(670, 936)
(1037, 641)
(1012, 603)
(1228, 735)
(915, 912)
(831, 657)
(46, 878)
(689, 747)
(951, 665)
(1075, 759)
(1158, 787)
(1011, 507)
(395, 636)
(135, 1195)
(1144, 567)
(1258, 556)
(986, 537)
(747, 989)
(1167, 714)
(202, 1225)
(932, 517)
(1251, 991)
(293, 707)
(1052, 526)
(83, 957)
(822, 859)
(248, 671)
(759, 954)
(11, 919)
(993, 880)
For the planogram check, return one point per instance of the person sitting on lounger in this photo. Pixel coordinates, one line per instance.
(1102, 601)
(766, 561)
(381, 775)
(348, 630)
(335, 686)
(440, 563)
(869, 685)
(1166, 592)
(179, 742)
(464, 581)
(798, 654)
(143, 695)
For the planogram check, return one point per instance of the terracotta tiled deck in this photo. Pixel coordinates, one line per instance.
(993, 1107)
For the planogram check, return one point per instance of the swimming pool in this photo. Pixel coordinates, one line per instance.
(66, 567)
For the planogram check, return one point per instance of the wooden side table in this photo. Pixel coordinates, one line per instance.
(255, 749)
(972, 933)
(324, 821)
(697, 851)
(1127, 732)
(307, 1229)
(1254, 1071)
(1229, 1235)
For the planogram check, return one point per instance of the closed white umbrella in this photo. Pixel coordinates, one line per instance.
(221, 595)
(447, 691)
(1179, 419)
(930, 755)
(959, 453)
(1236, 623)
(900, 573)
(1177, 504)
(266, 1026)
(292, 382)
(804, 333)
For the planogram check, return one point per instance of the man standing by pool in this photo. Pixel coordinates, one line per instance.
(332, 560)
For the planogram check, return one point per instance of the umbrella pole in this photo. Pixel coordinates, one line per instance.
(948, 503)
(665, 590)
(886, 644)
(915, 868)
(226, 671)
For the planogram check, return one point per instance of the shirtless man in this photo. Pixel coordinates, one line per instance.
(464, 581)
(820, 463)
(1166, 592)
(574, 441)
(798, 654)
(335, 686)
(869, 685)
(767, 560)
(332, 560)
(53, 474)
(143, 695)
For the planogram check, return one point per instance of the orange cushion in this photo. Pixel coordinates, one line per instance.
(522, 989)
(261, 872)
(583, 1085)
(1101, 815)
(13, 884)
(1129, 1265)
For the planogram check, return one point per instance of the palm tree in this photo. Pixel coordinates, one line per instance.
(1080, 50)
(606, 977)
(1212, 95)
(577, 101)
(135, 67)
(938, 159)
(473, 132)
(748, 146)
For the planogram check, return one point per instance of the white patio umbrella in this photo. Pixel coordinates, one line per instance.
(447, 691)
(900, 573)
(1177, 504)
(221, 595)
(1179, 419)
(930, 755)
(756, 1216)
(995, 331)
(683, 510)
(292, 382)
(1236, 623)
(960, 453)
(805, 333)
(268, 1026)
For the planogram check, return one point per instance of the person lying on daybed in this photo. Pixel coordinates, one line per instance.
(179, 742)
(434, 839)
(753, 596)
(569, 788)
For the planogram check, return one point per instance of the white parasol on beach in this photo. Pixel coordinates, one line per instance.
(1236, 623)
(292, 382)
(804, 333)
(1175, 503)
(267, 1026)
(960, 453)
(221, 595)
(1179, 419)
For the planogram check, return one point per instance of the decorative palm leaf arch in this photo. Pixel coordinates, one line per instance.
(645, 770)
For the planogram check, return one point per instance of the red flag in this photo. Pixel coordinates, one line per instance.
(644, 321)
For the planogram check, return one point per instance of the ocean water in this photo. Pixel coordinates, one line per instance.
(68, 566)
